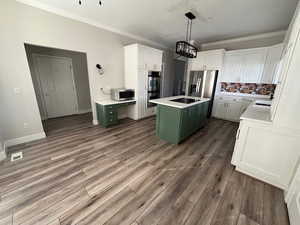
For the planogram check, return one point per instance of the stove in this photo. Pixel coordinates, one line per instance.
(185, 100)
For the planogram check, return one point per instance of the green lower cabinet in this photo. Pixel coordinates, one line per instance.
(175, 124)
(168, 123)
(107, 115)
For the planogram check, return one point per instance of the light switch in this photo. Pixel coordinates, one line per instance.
(17, 91)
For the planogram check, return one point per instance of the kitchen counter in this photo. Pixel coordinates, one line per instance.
(107, 111)
(257, 113)
(112, 102)
(167, 101)
(177, 121)
(232, 94)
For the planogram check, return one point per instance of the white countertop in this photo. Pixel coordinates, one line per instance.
(167, 101)
(112, 102)
(242, 95)
(257, 114)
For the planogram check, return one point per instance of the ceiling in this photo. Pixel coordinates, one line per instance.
(163, 21)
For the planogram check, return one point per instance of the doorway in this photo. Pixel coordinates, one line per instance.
(57, 87)
(61, 85)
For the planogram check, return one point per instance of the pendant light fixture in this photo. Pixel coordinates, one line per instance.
(184, 48)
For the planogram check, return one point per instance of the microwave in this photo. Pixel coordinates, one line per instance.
(122, 94)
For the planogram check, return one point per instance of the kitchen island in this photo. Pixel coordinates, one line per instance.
(178, 117)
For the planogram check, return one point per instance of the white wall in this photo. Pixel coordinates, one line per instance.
(2, 151)
(24, 24)
(80, 71)
(252, 41)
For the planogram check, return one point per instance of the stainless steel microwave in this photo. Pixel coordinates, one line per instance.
(122, 94)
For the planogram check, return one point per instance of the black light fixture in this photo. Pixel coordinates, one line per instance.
(184, 48)
(100, 69)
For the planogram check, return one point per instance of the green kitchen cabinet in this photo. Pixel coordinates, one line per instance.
(176, 124)
(108, 114)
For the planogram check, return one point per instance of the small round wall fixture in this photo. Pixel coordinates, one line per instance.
(100, 69)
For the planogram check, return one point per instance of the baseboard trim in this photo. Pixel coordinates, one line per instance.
(25, 139)
(95, 122)
(84, 111)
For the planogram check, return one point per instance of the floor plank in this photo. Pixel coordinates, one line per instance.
(124, 175)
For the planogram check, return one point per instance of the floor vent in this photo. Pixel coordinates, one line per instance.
(16, 156)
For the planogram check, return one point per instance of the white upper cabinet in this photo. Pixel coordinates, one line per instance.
(207, 60)
(271, 64)
(253, 66)
(244, 66)
(232, 68)
(150, 59)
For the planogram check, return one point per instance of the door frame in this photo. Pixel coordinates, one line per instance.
(37, 73)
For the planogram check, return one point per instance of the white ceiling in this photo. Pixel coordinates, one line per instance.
(163, 21)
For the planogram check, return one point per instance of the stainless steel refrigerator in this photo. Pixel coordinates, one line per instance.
(203, 84)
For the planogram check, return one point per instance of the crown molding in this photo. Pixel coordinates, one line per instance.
(248, 38)
(64, 13)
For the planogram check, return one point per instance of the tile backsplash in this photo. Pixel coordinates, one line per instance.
(248, 88)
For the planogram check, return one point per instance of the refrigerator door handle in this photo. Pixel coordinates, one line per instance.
(198, 85)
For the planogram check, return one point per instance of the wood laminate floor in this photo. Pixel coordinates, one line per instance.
(55, 125)
(126, 175)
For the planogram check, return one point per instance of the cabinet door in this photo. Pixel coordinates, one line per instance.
(253, 65)
(152, 58)
(204, 111)
(232, 68)
(185, 125)
(244, 105)
(233, 112)
(271, 65)
(266, 154)
(220, 109)
(193, 119)
(156, 60)
(197, 63)
(213, 61)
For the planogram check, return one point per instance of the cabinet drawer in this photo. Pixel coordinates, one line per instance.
(111, 107)
(110, 112)
(112, 118)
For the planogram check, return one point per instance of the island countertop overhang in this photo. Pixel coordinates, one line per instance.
(168, 101)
